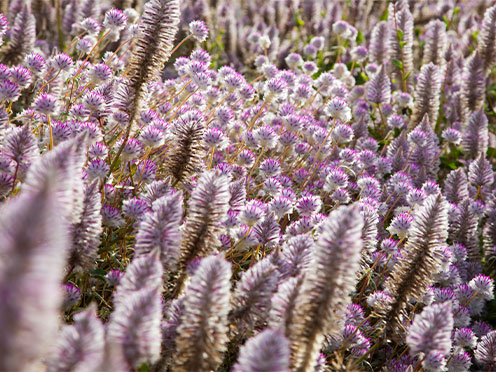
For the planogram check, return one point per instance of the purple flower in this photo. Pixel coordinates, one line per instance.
(35, 63)
(21, 76)
(202, 332)
(32, 247)
(80, 345)
(486, 349)
(115, 20)
(199, 30)
(159, 230)
(97, 169)
(111, 216)
(72, 296)
(61, 62)
(266, 352)
(46, 104)
(431, 330)
(9, 91)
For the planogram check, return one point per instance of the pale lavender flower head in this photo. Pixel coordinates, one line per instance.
(202, 332)
(111, 216)
(19, 145)
(266, 352)
(400, 225)
(97, 169)
(459, 362)
(35, 63)
(134, 208)
(431, 330)
(46, 104)
(338, 109)
(31, 269)
(486, 349)
(113, 277)
(62, 62)
(252, 212)
(80, 346)
(198, 30)
(484, 285)
(115, 20)
(465, 337)
(72, 296)
(9, 91)
(452, 135)
(159, 230)
(94, 101)
(21, 76)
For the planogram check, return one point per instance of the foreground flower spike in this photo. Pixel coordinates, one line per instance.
(401, 24)
(419, 262)
(473, 85)
(283, 303)
(19, 145)
(202, 333)
(489, 231)
(251, 300)
(22, 37)
(66, 161)
(456, 186)
(80, 346)
(431, 330)
(325, 290)
(378, 48)
(487, 39)
(160, 230)
(476, 135)
(435, 44)
(32, 257)
(480, 173)
(427, 96)
(266, 352)
(143, 272)
(208, 207)
(135, 323)
(486, 350)
(379, 88)
(185, 157)
(152, 49)
(86, 233)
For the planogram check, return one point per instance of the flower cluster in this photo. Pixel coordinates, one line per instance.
(247, 186)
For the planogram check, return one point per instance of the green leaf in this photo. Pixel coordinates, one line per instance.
(97, 272)
(384, 15)
(359, 38)
(456, 10)
(298, 21)
(400, 34)
(398, 63)
(407, 75)
(446, 21)
(402, 44)
(491, 152)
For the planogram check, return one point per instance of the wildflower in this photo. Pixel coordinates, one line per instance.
(46, 104)
(115, 20)
(338, 109)
(9, 91)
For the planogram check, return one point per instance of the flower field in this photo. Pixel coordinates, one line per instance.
(247, 186)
